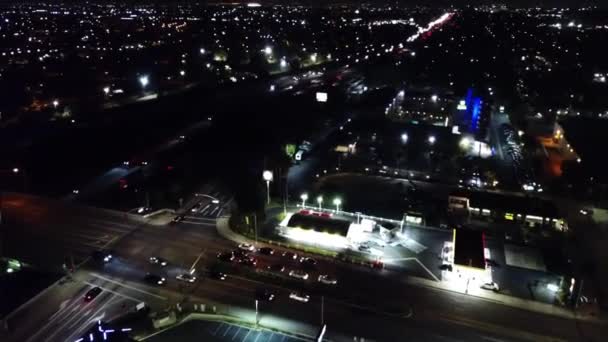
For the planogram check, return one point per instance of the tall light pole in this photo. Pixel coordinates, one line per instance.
(337, 203)
(256, 312)
(267, 175)
(304, 197)
(320, 201)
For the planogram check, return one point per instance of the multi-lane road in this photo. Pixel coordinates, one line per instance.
(366, 303)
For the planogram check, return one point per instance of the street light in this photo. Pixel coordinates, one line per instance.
(106, 90)
(55, 103)
(283, 63)
(432, 139)
(404, 138)
(320, 201)
(268, 50)
(267, 175)
(304, 197)
(144, 80)
(434, 98)
(182, 73)
(337, 203)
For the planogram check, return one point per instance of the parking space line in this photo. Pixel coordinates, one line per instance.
(248, 332)
(258, 336)
(271, 336)
(218, 328)
(236, 333)
(227, 330)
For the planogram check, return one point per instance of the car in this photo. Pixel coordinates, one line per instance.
(276, 268)
(154, 279)
(446, 267)
(290, 255)
(266, 251)
(299, 296)
(187, 277)
(158, 261)
(217, 275)
(264, 294)
(226, 256)
(240, 254)
(246, 247)
(298, 274)
(177, 219)
(105, 256)
(308, 263)
(326, 279)
(490, 286)
(92, 293)
(249, 261)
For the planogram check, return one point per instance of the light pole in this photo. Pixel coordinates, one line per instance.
(304, 197)
(256, 312)
(320, 201)
(106, 90)
(267, 175)
(337, 203)
(144, 80)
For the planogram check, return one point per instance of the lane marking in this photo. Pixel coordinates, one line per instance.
(235, 333)
(228, 329)
(127, 286)
(248, 332)
(218, 328)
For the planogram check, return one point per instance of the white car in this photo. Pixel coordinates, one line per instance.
(187, 277)
(300, 297)
(298, 274)
(490, 286)
(246, 247)
(325, 279)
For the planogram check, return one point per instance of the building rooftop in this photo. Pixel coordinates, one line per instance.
(469, 248)
(319, 224)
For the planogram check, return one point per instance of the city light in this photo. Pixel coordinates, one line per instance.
(106, 90)
(432, 139)
(304, 197)
(337, 202)
(55, 103)
(268, 50)
(320, 202)
(434, 98)
(283, 63)
(404, 138)
(15, 170)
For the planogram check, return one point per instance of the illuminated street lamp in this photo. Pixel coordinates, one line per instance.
(144, 80)
(283, 63)
(404, 138)
(337, 203)
(182, 73)
(304, 197)
(313, 57)
(432, 139)
(55, 103)
(267, 175)
(320, 201)
(268, 50)
(202, 51)
(106, 90)
(434, 98)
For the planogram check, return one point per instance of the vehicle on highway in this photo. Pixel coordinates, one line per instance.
(217, 275)
(225, 256)
(92, 293)
(187, 277)
(177, 219)
(290, 255)
(299, 296)
(326, 279)
(490, 286)
(105, 256)
(246, 247)
(298, 274)
(266, 251)
(276, 268)
(158, 261)
(239, 254)
(154, 279)
(264, 295)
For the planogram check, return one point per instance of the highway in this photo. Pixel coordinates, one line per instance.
(367, 303)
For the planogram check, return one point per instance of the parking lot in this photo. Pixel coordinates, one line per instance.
(219, 331)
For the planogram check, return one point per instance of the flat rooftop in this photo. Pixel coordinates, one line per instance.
(469, 248)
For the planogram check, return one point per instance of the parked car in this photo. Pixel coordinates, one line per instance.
(490, 286)
(298, 274)
(290, 255)
(276, 268)
(266, 251)
(246, 247)
(92, 293)
(217, 275)
(326, 279)
(226, 256)
(299, 296)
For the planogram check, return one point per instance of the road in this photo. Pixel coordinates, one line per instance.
(368, 303)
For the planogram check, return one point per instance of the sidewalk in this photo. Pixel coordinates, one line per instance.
(225, 231)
